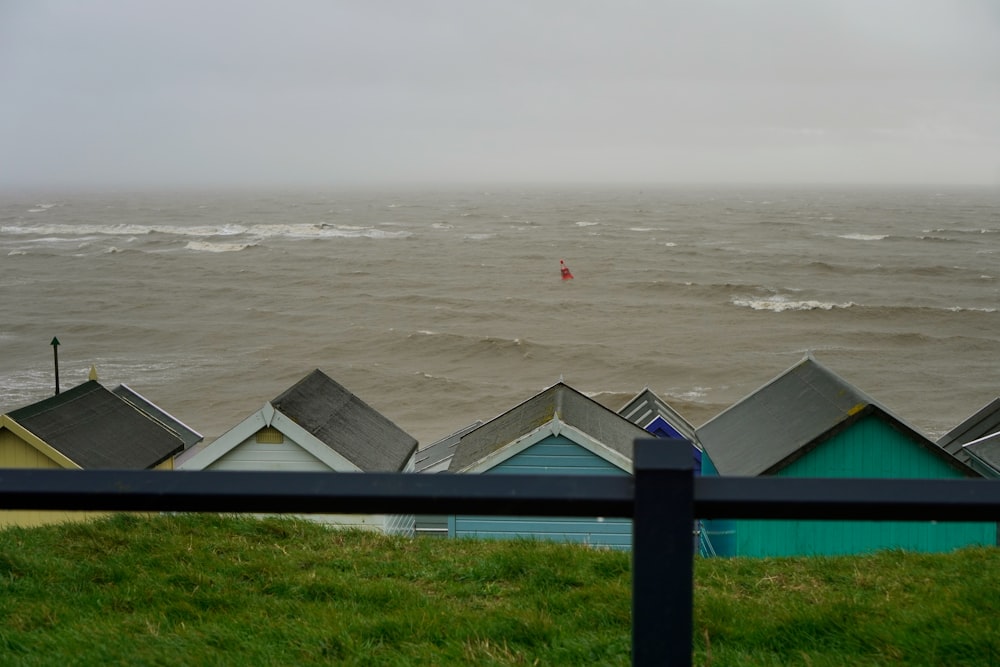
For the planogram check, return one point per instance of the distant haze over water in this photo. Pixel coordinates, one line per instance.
(441, 306)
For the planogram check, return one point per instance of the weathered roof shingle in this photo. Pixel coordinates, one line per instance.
(96, 429)
(346, 424)
(570, 406)
(983, 422)
(771, 427)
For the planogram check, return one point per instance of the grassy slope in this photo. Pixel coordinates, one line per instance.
(223, 591)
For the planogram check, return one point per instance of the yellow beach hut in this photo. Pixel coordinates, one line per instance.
(87, 427)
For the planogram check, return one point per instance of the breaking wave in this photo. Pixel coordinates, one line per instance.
(320, 230)
(863, 237)
(779, 304)
(463, 345)
(208, 246)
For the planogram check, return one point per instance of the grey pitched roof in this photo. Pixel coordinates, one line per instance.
(436, 456)
(346, 424)
(96, 429)
(647, 406)
(187, 434)
(985, 421)
(560, 400)
(788, 416)
(986, 450)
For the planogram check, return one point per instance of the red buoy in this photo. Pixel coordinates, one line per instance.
(564, 270)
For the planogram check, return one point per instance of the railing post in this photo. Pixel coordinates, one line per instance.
(662, 553)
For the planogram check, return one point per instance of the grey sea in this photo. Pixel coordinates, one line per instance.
(442, 306)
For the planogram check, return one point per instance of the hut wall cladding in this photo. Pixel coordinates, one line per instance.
(871, 448)
(253, 455)
(555, 455)
(16, 453)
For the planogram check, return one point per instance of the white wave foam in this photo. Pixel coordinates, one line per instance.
(323, 230)
(963, 230)
(586, 223)
(779, 304)
(22, 387)
(693, 394)
(670, 244)
(960, 309)
(208, 246)
(291, 231)
(16, 252)
(478, 237)
(41, 208)
(231, 230)
(57, 239)
(863, 237)
(121, 230)
(382, 234)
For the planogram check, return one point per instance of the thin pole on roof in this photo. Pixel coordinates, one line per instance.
(55, 357)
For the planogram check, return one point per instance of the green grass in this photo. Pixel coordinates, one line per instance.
(212, 590)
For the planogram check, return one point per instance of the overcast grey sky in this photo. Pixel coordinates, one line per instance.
(119, 93)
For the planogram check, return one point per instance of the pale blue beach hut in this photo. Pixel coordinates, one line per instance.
(558, 431)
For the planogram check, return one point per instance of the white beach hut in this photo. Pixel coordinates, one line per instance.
(315, 426)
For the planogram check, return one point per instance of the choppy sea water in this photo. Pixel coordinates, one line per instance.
(439, 307)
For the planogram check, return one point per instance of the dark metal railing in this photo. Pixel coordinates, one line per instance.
(663, 499)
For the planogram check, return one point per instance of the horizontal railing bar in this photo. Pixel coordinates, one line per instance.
(316, 492)
(524, 495)
(847, 499)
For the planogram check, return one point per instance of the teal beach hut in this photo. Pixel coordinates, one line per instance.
(808, 422)
(558, 431)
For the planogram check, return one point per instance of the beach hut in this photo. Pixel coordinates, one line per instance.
(984, 422)
(809, 422)
(435, 458)
(654, 415)
(315, 426)
(984, 455)
(558, 431)
(87, 427)
(188, 435)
